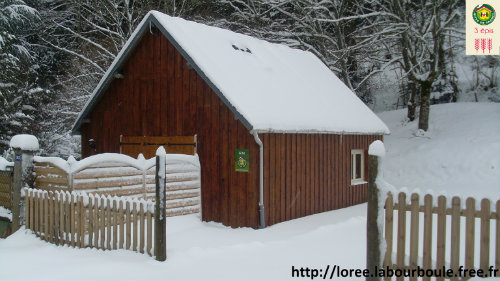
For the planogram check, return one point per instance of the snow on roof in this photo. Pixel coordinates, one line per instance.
(270, 87)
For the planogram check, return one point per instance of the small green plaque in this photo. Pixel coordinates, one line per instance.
(242, 160)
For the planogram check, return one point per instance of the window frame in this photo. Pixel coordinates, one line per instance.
(360, 180)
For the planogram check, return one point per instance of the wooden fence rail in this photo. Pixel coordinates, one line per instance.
(120, 175)
(424, 242)
(78, 220)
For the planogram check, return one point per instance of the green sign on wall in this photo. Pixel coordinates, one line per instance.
(242, 160)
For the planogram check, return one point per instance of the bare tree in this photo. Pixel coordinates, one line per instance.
(420, 29)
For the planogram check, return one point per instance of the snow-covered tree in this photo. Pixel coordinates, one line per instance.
(418, 42)
(22, 94)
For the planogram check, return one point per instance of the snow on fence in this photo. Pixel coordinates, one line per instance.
(436, 245)
(78, 220)
(121, 175)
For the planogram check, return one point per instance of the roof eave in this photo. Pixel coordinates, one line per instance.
(325, 132)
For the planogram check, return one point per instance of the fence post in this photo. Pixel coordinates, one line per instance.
(24, 147)
(373, 256)
(160, 246)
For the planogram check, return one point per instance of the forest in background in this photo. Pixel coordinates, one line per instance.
(398, 53)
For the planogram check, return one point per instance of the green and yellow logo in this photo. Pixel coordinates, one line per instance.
(484, 14)
(242, 163)
(242, 160)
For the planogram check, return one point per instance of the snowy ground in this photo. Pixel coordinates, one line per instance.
(459, 155)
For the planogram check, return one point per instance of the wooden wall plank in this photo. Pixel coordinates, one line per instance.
(160, 96)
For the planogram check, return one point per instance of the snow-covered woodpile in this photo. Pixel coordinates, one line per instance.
(123, 176)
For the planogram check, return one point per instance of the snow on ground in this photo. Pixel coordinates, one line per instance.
(200, 251)
(459, 155)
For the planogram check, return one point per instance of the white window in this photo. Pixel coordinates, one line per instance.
(357, 166)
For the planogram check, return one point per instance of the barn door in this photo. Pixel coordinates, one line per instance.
(133, 145)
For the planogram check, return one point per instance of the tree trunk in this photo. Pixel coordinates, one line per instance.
(412, 105)
(425, 108)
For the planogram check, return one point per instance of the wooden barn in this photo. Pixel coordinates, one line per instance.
(278, 135)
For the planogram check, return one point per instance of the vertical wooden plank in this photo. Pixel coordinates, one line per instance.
(277, 177)
(224, 156)
(455, 234)
(27, 208)
(67, 220)
(329, 172)
(83, 221)
(338, 171)
(401, 246)
(128, 226)
(121, 224)
(309, 178)
(97, 226)
(115, 224)
(298, 176)
(283, 186)
(470, 230)
(141, 218)
(136, 226)
(414, 231)
(36, 211)
(40, 215)
(150, 230)
(233, 181)
(484, 248)
(75, 224)
(288, 176)
(109, 225)
(56, 217)
(344, 168)
(90, 207)
(102, 223)
(272, 179)
(293, 176)
(441, 234)
(46, 215)
(314, 173)
(265, 142)
(427, 251)
(389, 214)
(305, 173)
(32, 208)
(321, 163)
(243, 208)
(62, 220)
(50, 222)
(72, 220)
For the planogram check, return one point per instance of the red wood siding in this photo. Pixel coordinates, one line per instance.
(306, 174)
(161, 96)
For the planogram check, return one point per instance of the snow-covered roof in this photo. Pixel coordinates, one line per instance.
(270, 87)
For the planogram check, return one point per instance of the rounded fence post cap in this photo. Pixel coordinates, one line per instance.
(377, 148)
(24, 142)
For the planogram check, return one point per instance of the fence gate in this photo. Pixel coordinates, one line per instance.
(5, 201)
(6, 189)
